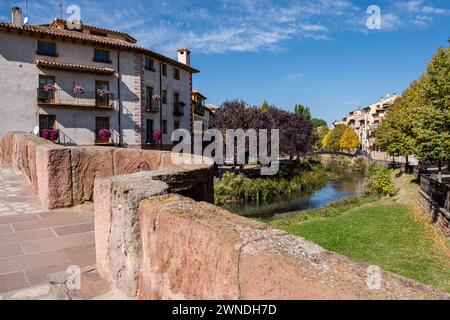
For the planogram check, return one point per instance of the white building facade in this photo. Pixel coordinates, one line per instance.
(83, 81)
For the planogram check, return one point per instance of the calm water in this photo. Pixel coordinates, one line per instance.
(350, 184)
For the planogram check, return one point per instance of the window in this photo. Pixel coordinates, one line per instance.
(149, 131)
(176, 98)
(47, 122)
(102, 93)
(176, 73)
(101, 123)
(101, 56)
(164, 126)
(46, 48)
(176, 125)
(149, 64)
(164, 69)
(164, 96)
(46, 95)
(149, 95)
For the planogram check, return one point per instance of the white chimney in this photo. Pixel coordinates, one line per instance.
(16, 16)
(184, 56)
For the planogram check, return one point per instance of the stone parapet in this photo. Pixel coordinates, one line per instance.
(196, 250)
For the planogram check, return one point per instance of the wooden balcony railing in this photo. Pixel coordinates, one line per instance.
(61, 97)
(152, 106)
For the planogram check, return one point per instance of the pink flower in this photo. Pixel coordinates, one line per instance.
(156, 135)
(78, 90)
(104, 134)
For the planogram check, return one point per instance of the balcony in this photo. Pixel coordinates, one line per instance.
(152, 106)
(199, 109)
(62, 97)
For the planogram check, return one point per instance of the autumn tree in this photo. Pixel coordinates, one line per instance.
(349, 139)
(333, 142)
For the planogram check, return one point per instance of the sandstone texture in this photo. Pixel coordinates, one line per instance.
(198, 251)
(54, 176)
(88, 164)
(128, 161)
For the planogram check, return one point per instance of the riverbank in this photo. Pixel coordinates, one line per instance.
(389, 232)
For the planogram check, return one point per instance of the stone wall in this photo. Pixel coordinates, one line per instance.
(65, 176)
(437, 215)
(171, 247)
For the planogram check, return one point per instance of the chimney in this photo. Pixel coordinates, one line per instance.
(184, 56)
(16, 16)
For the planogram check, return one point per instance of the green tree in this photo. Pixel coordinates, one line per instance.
(349, 139)
(303, 110)
(317, 123)
(432, 120)
(396, 133)
(265, 106)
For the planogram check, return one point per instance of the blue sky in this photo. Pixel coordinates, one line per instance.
(319, 53)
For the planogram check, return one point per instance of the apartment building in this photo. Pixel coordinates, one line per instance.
(86, 80)
(201, 112)
(365, 121)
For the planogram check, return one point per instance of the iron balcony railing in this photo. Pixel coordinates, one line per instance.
(152, 106)
(62, 97)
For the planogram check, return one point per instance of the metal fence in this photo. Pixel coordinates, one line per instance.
(439, 192)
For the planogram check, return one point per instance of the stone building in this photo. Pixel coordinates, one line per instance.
(83, 79)
(365, 121)
(201, 112)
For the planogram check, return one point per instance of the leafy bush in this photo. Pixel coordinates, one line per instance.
(237, 187)
(379, 182)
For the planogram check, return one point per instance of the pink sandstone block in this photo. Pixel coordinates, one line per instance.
(88, 164)
(7, 147)
(194, 250)
(103, 213)
(54, 176)
(32, 145)
(127, 161)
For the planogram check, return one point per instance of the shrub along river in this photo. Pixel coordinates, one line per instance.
(343, 183)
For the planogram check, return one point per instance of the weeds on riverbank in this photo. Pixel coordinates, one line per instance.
(302, 176)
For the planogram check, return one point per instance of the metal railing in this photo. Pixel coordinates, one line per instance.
(437, 191)
(69, 98)
(151, 106)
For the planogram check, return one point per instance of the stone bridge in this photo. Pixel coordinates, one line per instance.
(335, 153)
(153, 240)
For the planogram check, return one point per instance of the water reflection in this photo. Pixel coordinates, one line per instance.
(347, 185)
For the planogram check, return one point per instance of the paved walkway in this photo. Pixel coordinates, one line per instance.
(34, 241)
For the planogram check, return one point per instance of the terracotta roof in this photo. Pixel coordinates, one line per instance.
(198, 93)
(73, 67)
(92, 39)
(58, 22)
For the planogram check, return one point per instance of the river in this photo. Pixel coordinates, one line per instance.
(346, 185)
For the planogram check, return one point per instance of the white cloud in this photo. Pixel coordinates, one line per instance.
(219, 26)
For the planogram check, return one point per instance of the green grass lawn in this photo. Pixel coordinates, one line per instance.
(381, 233)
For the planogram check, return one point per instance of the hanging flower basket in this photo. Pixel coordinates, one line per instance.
(78, 90)
(156, 98)
(51, 87)
(103, 92)
(104, 134)
(156, 135)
